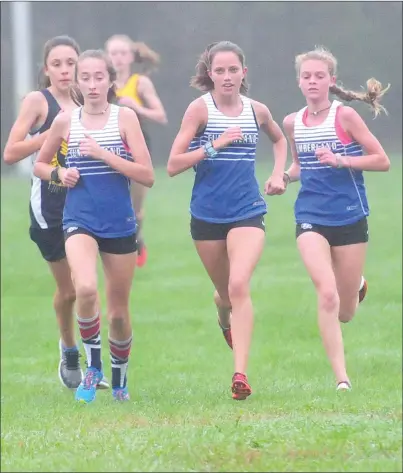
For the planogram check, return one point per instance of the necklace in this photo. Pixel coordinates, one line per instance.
(319, 111)
(98, 113)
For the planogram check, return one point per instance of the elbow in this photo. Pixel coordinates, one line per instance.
(8, 156)
(35, 169)
(150, 179)
(162, 119)
(39, 170)
(383, 163)
(171, 169)
(171, 172)
(281, 141)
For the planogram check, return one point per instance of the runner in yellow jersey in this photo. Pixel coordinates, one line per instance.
(136, 90)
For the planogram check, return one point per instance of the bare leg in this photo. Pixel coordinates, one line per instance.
(119, 272)
(63, 302)
(316, 255)
(348, 264)
(245, 247)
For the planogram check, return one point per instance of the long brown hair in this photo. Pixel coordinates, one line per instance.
(201, 80)
(144, 57)
(64, 40)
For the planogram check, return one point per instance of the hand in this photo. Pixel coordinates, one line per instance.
(89, 147)
(325, 156)
(275, 185)
(229, 136)
(128, 102)
(69, 177)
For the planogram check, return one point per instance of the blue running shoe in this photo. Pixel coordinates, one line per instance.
(88, 386)
(103, 384)
(120, 394)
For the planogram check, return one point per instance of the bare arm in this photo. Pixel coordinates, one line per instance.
(154, 110)
(194, 119)
(376, 159)
(141, 170)
(294, 170)
(273, 131)
(57, 132)
(33, 107)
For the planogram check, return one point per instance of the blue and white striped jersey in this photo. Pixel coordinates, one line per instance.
(328, 196)
(100, 202)
(225, 188)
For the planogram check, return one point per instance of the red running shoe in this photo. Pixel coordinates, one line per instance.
(227, 334)
(240, 387)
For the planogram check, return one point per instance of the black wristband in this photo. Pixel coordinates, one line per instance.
(54, 175)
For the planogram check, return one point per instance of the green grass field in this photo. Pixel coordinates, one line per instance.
(182, 417)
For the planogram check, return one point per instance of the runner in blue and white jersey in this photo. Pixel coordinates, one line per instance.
(218, 138)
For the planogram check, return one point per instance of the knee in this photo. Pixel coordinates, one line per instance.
(328, 299)
(118, 307)
(86, 293)
(118, 317)
(118, 313)
(66, 296)
(238, 288)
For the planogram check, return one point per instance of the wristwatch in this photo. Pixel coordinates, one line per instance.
(209, 150)
(54, 175)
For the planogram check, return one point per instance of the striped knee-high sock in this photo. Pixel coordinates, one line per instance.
(119, 351)
(91, 338)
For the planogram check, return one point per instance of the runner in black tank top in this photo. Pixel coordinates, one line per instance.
(47, 199)
(38, 110)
